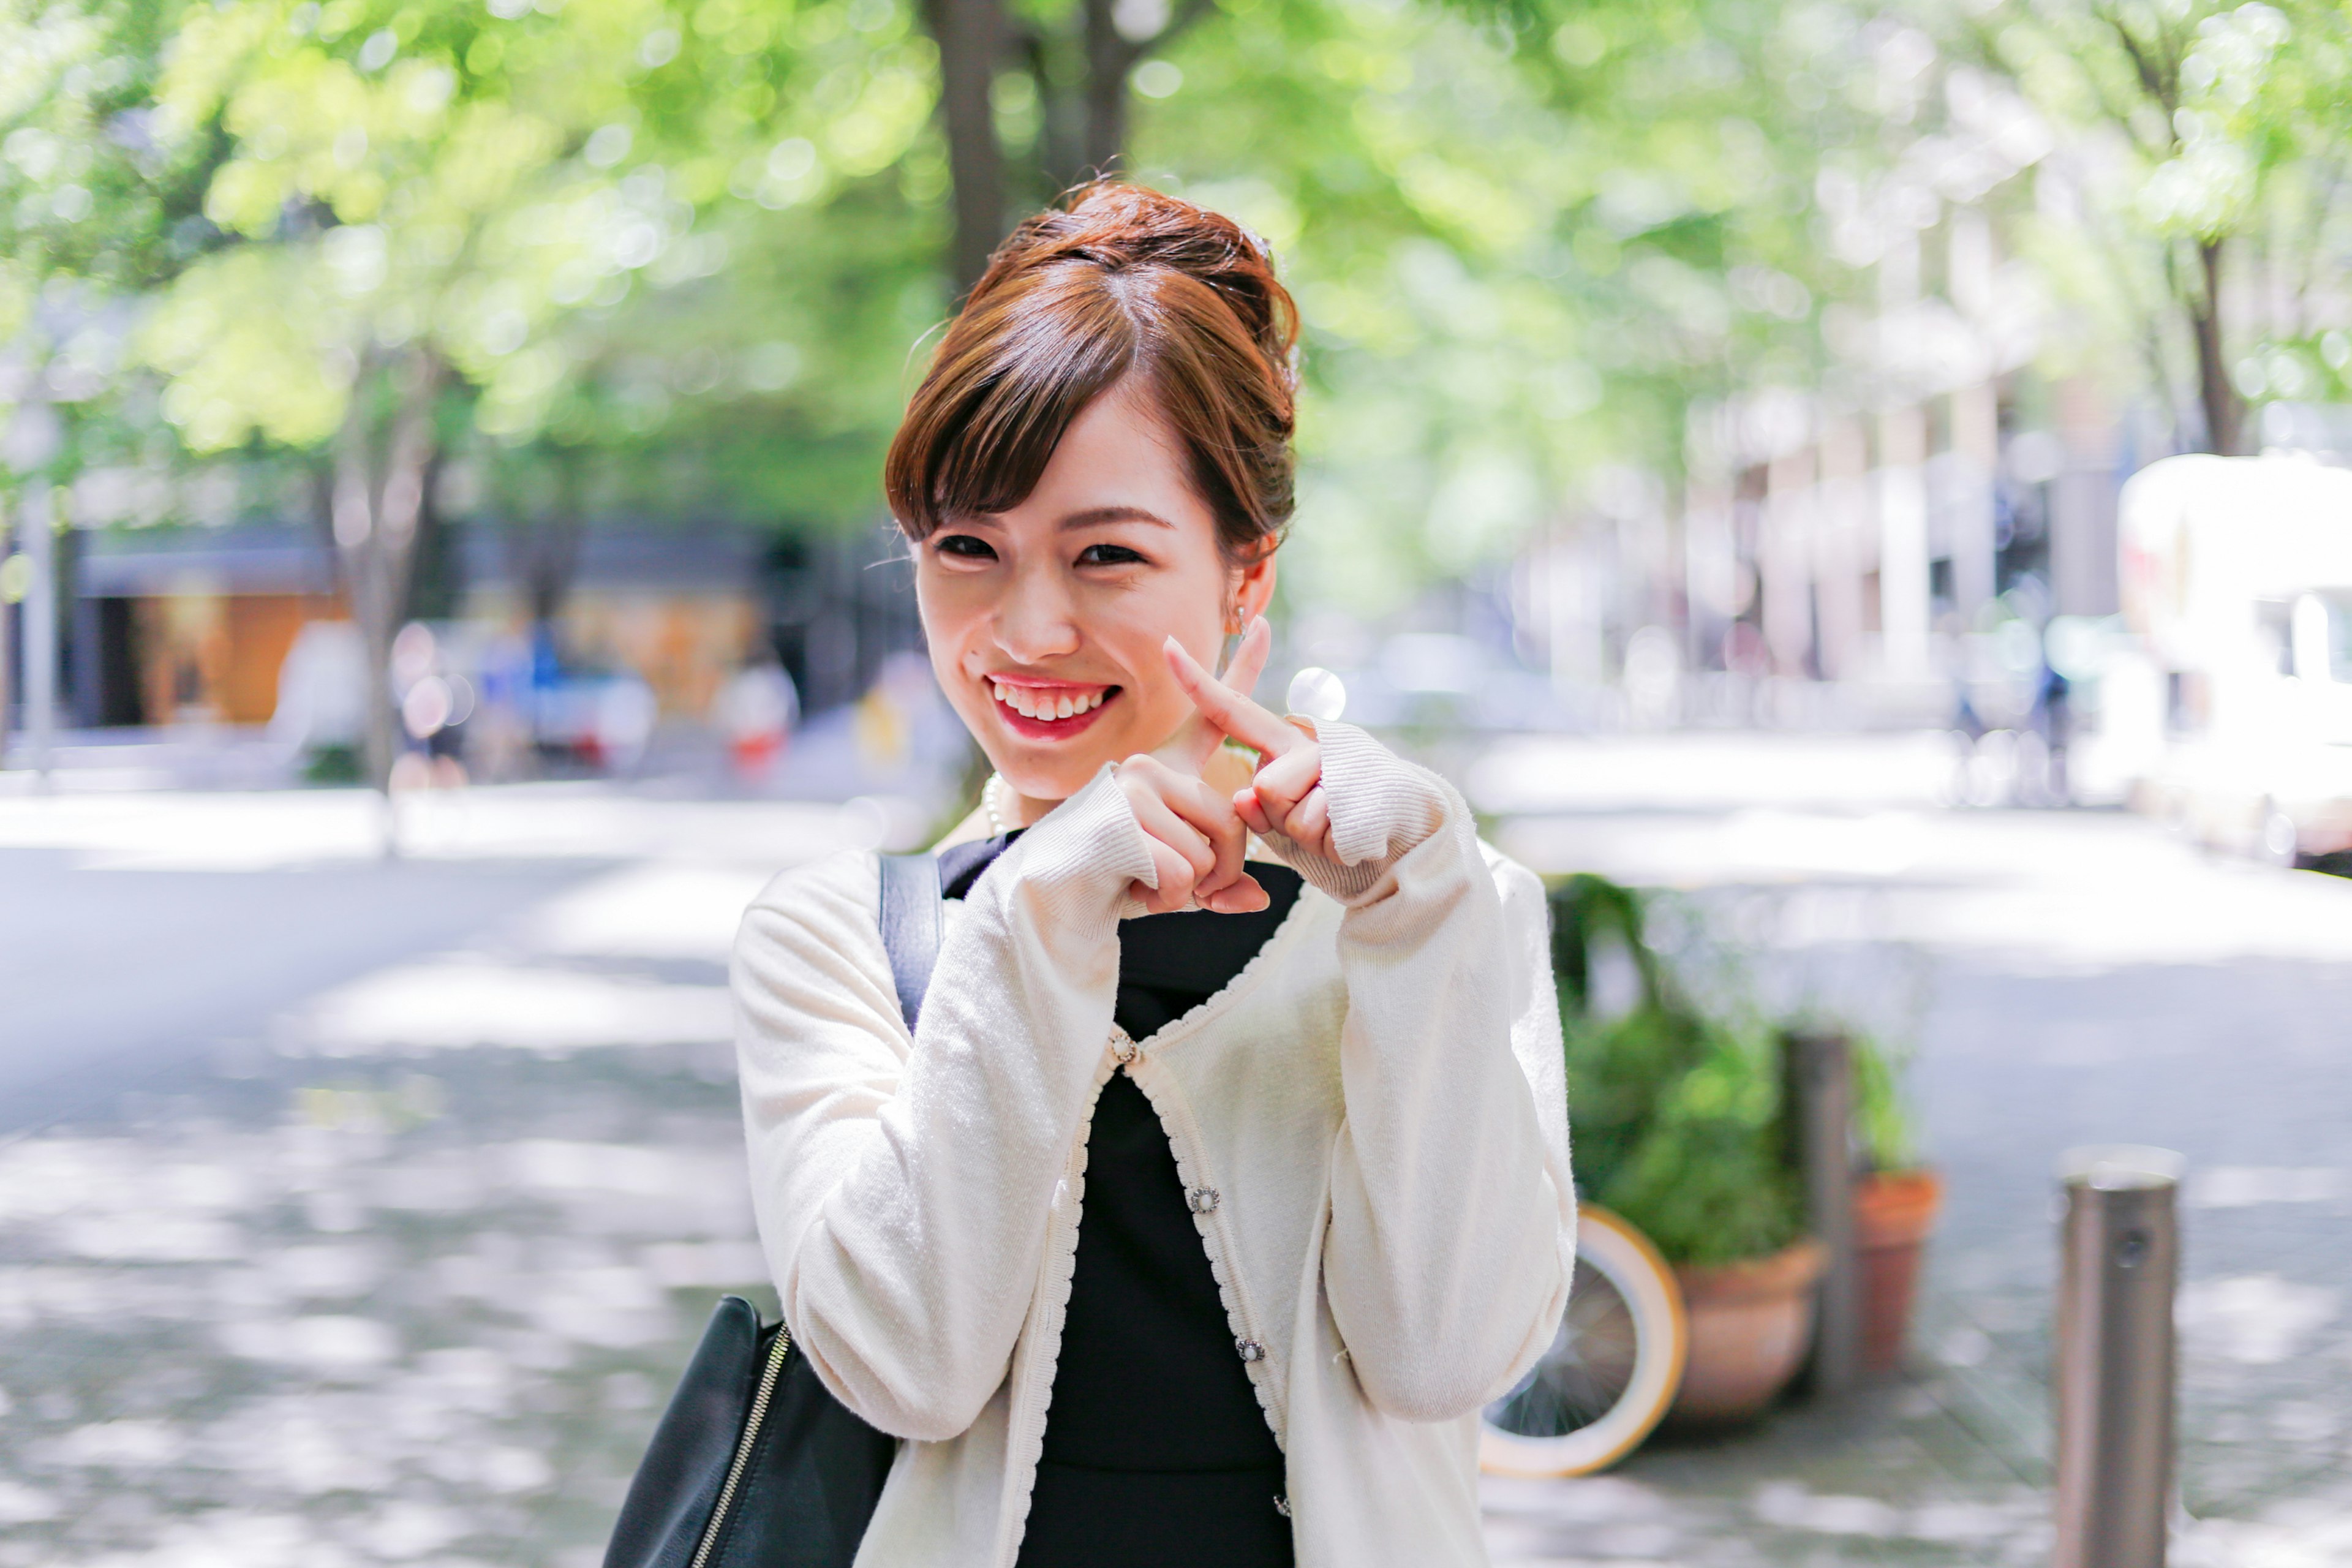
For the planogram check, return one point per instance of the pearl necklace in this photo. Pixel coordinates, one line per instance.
(996, 822)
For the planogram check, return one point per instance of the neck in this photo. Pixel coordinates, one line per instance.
(1008, 808)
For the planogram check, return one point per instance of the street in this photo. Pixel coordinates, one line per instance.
(358, 1212)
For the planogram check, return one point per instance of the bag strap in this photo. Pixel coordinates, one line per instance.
(912, 916)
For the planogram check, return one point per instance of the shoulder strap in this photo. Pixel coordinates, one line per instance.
(910, 916)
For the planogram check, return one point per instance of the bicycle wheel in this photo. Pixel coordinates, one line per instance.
(1612, 1370)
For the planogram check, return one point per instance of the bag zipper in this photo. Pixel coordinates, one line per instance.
(743, 1444)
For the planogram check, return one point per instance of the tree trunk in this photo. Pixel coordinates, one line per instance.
(971, 35)
(974, 37)
(1109, 57)
(381, 478)
(435, 589)
(2225, 411)
(543, 548)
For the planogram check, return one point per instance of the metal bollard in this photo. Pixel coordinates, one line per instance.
(1820, 1068)
(2119, 1259)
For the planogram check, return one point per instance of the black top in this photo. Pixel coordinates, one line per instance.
(1157, 1454)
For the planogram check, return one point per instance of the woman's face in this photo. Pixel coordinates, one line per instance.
(1046, 622)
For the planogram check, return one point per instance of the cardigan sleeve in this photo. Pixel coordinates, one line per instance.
(902, 1186)
(1453, 1222)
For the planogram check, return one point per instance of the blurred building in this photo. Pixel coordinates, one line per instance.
(681, 609)
(193, 626)
(189, 625)
(1848, 548)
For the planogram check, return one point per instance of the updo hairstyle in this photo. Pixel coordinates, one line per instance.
(1121, 282)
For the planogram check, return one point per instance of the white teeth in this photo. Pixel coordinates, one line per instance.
(1031, 703)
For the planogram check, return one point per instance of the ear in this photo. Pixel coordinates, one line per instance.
(1254, 584)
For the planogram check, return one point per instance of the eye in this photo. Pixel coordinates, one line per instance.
(1109, 555)
(965, 546)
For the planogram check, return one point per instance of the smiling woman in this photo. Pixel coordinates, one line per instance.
(1223, 1176)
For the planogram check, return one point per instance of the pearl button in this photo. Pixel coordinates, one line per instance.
(1250, 1350)
(1203, 1200)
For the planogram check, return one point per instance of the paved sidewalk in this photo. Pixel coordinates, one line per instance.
(2067, 979)
(404, 1277)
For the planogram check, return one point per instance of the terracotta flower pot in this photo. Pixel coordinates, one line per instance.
(1893, 1214)
(1749, 1324)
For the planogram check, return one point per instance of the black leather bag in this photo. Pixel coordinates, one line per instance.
(755, 1463)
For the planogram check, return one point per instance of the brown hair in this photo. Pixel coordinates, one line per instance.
(1121, 281)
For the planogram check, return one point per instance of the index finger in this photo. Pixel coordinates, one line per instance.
(1199, 738)
(1228, 709)
(1248, 662)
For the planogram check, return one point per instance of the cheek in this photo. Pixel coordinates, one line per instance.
(1138, 630)
(948, 625)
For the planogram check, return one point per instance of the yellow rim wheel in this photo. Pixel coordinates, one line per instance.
(1613, 1368)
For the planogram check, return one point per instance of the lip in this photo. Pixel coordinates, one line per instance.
(1067, 729)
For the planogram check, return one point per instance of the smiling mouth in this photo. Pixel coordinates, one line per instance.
(1048, 712)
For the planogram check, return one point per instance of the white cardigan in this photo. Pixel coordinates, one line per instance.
(1369, 1121)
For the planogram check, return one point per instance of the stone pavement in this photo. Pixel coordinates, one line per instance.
(2063, 980)
(405, 1276)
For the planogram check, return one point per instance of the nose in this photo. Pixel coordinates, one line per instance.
(1036, 620)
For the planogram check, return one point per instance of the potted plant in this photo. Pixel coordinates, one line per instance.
(1895, 1203)
(1675, 1118)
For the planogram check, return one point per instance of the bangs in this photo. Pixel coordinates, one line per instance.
(1126, 283)
(1011, 379)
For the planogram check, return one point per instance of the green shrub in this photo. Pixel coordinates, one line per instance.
(1882, 1114)
(1675, 1115)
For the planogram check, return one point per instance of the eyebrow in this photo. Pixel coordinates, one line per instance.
(1094, 516)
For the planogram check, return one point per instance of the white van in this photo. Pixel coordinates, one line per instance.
(2237, 577)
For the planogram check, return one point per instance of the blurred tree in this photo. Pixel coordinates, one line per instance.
(397, 210)
(444, 226)
(2214, 138)
(1524, 244)
(1055, 78)
(95, 211)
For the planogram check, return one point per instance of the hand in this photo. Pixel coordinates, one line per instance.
(1196, 835)
(1286, 796)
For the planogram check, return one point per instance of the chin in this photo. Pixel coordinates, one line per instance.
(1044, 768)
(1051, 778)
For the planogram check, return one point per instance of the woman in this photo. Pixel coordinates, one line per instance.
(1225, 1175)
